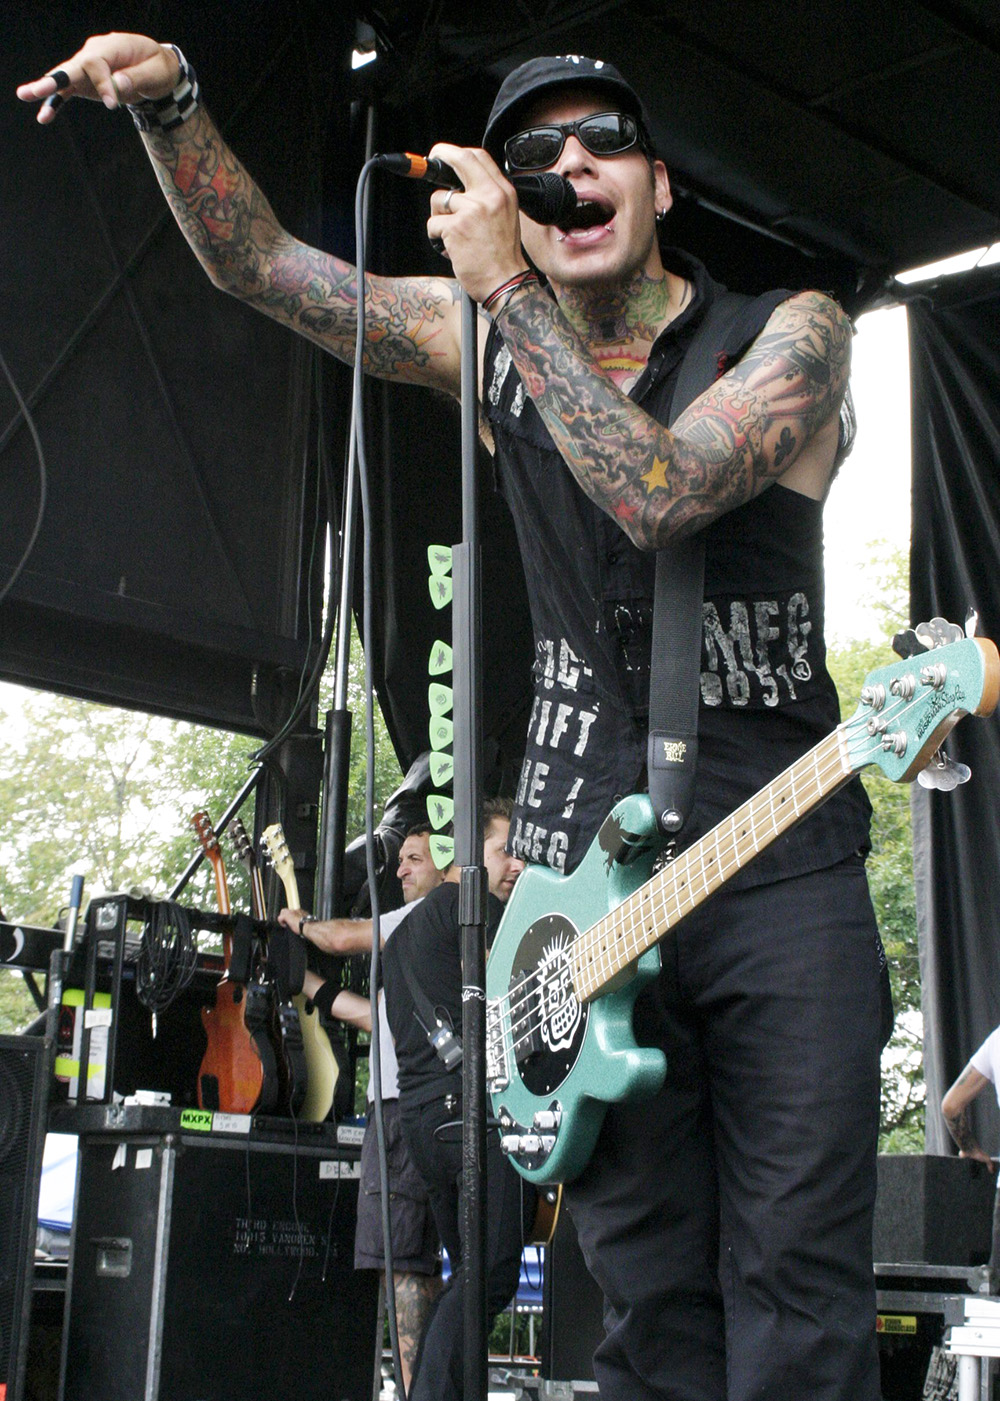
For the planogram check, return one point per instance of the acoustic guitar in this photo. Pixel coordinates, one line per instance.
(282, 1016)
(320, 1059)
(572, 952)
(238, 1073)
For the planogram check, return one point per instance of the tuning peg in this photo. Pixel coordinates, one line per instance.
(907, 644)
(971, 622)
(943, 773)
(938, 633)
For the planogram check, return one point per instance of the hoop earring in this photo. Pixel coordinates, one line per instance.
(661, 216)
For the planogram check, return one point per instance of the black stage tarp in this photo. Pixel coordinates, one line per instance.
(954, 566)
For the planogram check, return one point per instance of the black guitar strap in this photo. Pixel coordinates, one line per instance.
(241, 961)
(730, 324)
(443, 1037)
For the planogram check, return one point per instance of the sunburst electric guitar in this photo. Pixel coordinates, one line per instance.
(572, 953)
(320, 1059)
(238, 1073)
(282, 1016)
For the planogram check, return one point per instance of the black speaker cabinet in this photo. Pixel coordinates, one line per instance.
(573, 1320)
(933, 1210)
(23, 1088)
(205, 1267)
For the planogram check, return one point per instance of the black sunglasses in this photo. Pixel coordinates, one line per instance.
(603, 134)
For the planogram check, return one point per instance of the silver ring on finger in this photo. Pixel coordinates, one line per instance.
(447, 202)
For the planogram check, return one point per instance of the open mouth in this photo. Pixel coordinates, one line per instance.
(587, 215)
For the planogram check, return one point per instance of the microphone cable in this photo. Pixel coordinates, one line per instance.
(367, 647)
(43, 480)
(309, 685)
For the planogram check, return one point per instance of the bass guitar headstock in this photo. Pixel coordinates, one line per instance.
(909, 707)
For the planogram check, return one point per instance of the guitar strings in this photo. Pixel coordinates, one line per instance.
(533, 988)
(821, 774)
(671, 872)
(523, 1028)
(530, 983)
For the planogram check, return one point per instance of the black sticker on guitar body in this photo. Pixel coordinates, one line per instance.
(548, 1024)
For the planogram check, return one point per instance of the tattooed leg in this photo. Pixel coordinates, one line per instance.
(415, 1299)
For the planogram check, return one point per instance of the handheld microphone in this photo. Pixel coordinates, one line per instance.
(547, 198)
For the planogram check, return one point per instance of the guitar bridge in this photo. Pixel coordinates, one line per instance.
(530, 1144)
(497, 1074)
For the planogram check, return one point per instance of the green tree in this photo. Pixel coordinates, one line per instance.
(890, 866)
(109, 794)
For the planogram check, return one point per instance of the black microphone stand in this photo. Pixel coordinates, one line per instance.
(467, 675)
(466, 640)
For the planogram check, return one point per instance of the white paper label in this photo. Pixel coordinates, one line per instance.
(339, 1169)
(351, 1134)
(231, 1123)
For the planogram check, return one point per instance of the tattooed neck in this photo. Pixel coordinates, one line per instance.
(626, 314)
(619, 324)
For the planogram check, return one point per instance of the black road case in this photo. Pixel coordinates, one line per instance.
(208, 1267)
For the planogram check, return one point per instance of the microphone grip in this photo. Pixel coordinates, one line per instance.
(545, 197)
(440, 174)
(420, 168)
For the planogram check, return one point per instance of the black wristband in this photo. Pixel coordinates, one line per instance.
(324, 997)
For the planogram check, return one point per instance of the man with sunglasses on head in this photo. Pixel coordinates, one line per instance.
(728, 1218)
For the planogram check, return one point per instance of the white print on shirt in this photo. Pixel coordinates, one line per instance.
(501, 367)
(552, 721)
(566, 672)
(532, 783)
(741, 656)
(572, 797)
(532, 842)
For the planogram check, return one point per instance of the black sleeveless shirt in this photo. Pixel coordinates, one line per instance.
(766, 695)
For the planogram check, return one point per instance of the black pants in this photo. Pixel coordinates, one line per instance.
(729, 1219)
(510, 1210)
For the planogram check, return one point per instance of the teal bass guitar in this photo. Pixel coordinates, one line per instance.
(573, 952)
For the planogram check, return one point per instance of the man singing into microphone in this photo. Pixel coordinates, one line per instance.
(728, 1219)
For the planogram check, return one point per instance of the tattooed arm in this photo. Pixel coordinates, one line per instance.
(412, 331)
(955, 1108)
(772, 416)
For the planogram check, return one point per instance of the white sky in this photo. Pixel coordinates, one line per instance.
(870, 500)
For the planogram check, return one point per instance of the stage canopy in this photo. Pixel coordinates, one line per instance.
(185, 437)
(195, 451)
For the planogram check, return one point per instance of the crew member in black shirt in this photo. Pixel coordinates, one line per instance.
(422, 976)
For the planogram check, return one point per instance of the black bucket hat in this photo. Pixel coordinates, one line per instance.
(527, 83)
